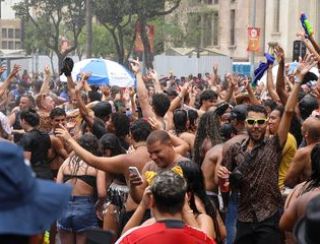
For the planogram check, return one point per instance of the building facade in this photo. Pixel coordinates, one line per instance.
(10, 27)
(282, 21)
(10, 37)
(222, 24)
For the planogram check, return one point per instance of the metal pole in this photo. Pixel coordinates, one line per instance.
(253, 24)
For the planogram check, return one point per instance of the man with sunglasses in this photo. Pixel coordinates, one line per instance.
(252, 167)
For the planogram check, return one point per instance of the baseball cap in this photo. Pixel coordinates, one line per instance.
(239, 112)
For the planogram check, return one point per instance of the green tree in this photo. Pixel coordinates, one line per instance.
(147, 10)
(165, 31)
(116, 16)
(53, 19)
(103, 45)
(32, 42)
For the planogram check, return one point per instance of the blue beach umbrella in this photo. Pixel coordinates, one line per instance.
(102, 72)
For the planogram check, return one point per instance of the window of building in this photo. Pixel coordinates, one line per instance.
(207, 27)
(276, 16)
(215, 29)
(209, 1)
(10, 33)
(232, 26)
(193, 36)
(18, 45)
(4, 45)
(4, 33)
(17, 34)
(10, 45)
(216, 1)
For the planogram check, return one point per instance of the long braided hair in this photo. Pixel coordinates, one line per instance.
(208, 128)
(314, 179)
(88, 142)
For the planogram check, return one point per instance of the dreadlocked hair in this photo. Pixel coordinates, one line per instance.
(314, 179)
(208, 127)
(88, 142)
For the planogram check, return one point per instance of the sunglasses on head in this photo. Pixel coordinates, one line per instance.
(256, 121)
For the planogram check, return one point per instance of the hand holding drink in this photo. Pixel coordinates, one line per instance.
(223, 177)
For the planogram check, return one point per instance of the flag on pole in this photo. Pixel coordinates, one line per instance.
(253, 39)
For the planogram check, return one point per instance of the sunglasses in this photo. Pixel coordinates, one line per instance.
(256, 121)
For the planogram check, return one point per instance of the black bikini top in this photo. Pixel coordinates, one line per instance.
(88, 179)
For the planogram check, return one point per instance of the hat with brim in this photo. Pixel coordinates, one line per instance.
(28, 206)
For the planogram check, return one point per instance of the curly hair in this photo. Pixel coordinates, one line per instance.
(208, 127)
(121, 124)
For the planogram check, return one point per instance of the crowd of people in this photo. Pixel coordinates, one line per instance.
(174, 160)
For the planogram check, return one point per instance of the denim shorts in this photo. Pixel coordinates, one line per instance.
(79, 215)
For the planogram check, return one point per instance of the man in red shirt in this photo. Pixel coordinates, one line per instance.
(166, 199)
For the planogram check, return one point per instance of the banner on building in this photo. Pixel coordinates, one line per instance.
(253, 39)
(138, 44)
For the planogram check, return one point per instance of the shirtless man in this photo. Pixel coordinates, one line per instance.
(163, 156)
(300, 167)
(58, 151)
(213, 160)
(159, 108)
(139, 131)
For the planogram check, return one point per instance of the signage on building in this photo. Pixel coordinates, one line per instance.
(253, 39)
(138, 44)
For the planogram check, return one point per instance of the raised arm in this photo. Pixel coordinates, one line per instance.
(6, 83)
(142, 91)
(280, 85)
(45, 88)
(114, 165)
(214, 78)
(314, 44)
(312, 49)
(232, 83)
(155, 77)
(285, 122)
(252, 97)
(84, 111)
(176, 102)
(270, 86)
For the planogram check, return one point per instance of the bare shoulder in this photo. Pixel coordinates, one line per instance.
(304, 152)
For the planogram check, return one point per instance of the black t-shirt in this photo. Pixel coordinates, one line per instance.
(38, 143)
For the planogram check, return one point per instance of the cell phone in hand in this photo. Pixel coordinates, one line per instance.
(134, 170)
